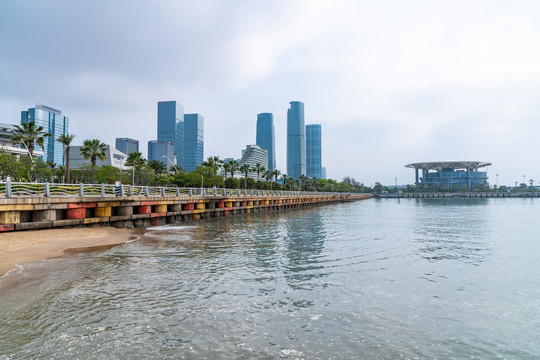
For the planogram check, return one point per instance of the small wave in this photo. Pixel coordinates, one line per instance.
(169, 227)
(18, 269)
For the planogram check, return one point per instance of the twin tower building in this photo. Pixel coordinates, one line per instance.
(304, 145)
(180, 140)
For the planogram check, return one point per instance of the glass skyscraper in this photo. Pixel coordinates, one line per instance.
(170, 115)
(296, 140)
(313, 151)
(55, 124)
(157, 149)
(127, 145)
(266, 138)
(193, 141)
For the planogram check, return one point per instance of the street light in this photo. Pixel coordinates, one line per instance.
(173, 164)
(395, 180)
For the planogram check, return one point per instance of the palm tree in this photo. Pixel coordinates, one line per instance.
(234, 165)
(157, 166)
(267, 175)
(284, 179)
(226, 168)
(66, 139)
(214, 163)
(93, 149)
(245, 169)
(27, 133)
(135, 159)
(276, 173)
(259, 168)
(302, 179)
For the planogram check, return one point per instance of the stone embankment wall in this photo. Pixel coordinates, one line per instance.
(139, 212)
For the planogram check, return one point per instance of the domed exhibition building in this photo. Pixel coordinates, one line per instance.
(456, 175)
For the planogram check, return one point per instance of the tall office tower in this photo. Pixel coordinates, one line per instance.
(313, 151)
(193, 141)
(162, 151)
(170, 115)
(296, 140)
(266, 138)
(127, 145)
(55, 124)
(323, 173)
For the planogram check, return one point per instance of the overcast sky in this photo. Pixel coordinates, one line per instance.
(391, 82)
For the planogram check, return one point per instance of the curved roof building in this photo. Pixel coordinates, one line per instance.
(450, 174)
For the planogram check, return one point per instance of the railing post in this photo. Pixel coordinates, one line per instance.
(215, 190)
(47, 190)
(203, 192)
(8, 189)
(177, 191)
(190, 192)
(102, 190)
(224, 193)
(81, 190)
(122, 190)
(163, 191)
(130, 193)
(146, 190)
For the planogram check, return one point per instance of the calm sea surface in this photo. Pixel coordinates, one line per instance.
(375, 279)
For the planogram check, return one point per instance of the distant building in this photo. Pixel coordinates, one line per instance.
(55, 124)
(296, 140)
(313, 151)
(7, 145)
(127, 145)
(252, 156)
(323, 173)
(266, 138)
(113, 157)
(161, 151)
(170, 127)
(450, 174)
(193, 141)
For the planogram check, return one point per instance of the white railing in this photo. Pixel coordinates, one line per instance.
(10, 189)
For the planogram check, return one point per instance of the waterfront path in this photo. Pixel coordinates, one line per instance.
(43, 206)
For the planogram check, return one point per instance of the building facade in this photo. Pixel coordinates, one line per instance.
(7, 145)
(170, 116)
(113, 157)
(314, 151)
(266, 138)
(193, 141)
(55, 124)
(162, 151)
(253, 155)
(296, 140)
(127, 145)
(453, 175)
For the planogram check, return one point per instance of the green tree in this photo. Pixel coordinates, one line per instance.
(27, 133)
(214, 163)
(158, 166)
(302, 179)
(66, 139)
(245, 168)
(233, 166)
(259, 169)
(93, 149)
(226, 168)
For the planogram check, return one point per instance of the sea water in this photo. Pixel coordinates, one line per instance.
(373, 279)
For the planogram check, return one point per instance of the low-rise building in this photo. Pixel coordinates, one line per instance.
(114, 157)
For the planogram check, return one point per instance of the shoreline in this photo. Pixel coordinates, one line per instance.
(19, 247)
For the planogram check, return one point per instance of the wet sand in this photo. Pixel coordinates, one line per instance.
(25, 246)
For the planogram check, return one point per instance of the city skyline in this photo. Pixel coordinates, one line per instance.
(392, 83)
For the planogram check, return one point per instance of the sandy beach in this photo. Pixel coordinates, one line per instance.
(26, 246)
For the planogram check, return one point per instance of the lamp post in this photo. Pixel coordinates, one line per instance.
(395, 180)
(523, 179)
(497, 175)
(173, 164)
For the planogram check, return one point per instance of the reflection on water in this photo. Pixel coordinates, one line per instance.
(377, 279)
(456, 229)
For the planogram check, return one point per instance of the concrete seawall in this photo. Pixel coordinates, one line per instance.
(139, 212)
